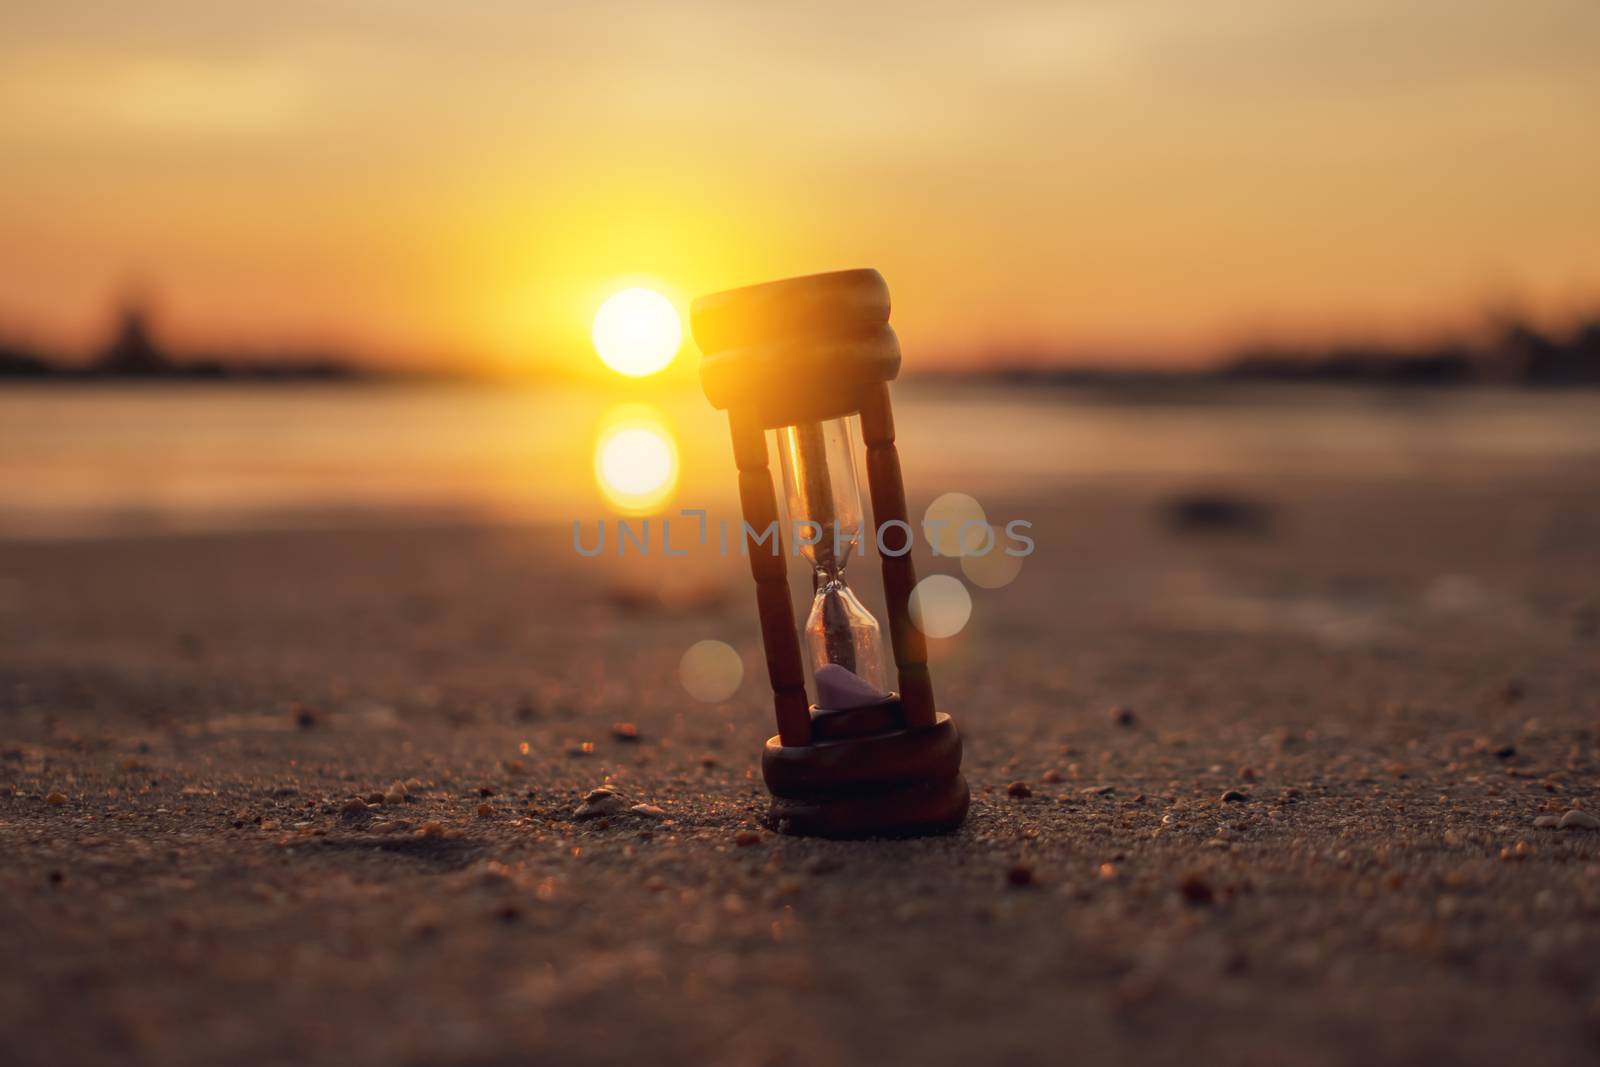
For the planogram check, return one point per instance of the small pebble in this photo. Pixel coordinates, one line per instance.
(1196, 890)
(485, 810)
(624, 731)
(910, 911)
(1019, 790)
(1579, 820)
(1547, 822)
(425, 922)
(1233, 796)
(431, 829)
(649, 811)
(746, 838)
(1124, 716)
(393, 797)
(495, 874)
(375, 797)
(1020, 875)
(598, 803)
(56, 798)
(354, 806)
(1052, 776)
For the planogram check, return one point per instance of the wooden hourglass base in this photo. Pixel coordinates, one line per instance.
(898, 783)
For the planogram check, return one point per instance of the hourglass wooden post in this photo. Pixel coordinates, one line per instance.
(760, 509)
(809, 358)
(899, 576)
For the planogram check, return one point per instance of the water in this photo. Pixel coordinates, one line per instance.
(86, 461)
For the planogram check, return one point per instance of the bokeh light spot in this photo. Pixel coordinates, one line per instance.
(943, 521)
(994, 568)
(940, 605)
(711, 671)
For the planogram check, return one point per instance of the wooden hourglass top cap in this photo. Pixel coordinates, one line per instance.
(774, 345)
(840, 302)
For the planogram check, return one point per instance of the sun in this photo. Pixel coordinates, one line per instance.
(637, 332)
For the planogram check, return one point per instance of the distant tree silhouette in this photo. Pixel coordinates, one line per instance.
(1516, 352)
(18, 362)
(1538, 359)
(133, 350)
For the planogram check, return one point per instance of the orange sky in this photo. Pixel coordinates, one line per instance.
(467, 181)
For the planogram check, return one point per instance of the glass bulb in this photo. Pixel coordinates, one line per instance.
(823, 496)
(820, 488)
(840, 630)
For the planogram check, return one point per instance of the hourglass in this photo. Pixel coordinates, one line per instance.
(809, 360)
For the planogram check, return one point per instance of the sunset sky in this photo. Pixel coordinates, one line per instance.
(465, 183)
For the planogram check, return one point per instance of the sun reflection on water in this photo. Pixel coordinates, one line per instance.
(636, 459)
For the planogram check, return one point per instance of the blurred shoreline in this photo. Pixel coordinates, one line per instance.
(1512, 351)
(100, 460)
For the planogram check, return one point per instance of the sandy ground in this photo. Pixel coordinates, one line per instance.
(1396, 678)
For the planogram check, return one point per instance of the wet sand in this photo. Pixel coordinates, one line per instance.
(1393, 680)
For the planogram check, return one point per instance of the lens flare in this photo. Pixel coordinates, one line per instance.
(940, 606)
(955, 524)
(711, 671)
(993, 568)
